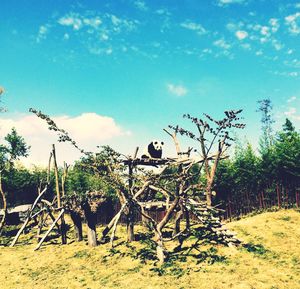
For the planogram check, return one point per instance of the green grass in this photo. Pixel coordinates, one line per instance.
(271, 259)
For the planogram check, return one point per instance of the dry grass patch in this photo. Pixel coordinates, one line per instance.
(271, 260)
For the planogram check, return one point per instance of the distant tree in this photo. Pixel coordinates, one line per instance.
(16, 146)
(265, 108)
(287, 150)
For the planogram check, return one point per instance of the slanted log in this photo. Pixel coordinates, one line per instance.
(28, 217)
(50, 229)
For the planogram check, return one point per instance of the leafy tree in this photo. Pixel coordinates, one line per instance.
(16, 147)
(17, 182)
(287, 150)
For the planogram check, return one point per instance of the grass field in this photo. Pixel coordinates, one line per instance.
(271, 260)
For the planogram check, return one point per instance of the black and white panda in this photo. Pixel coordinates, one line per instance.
(154, 150)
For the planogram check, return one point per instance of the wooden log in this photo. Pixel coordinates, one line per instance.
(28, 217)
(41, 223)
(49, 230)
(77, 225)
(118, 216)
(53, 219)
(112, 222)
(38, 213)
(91, 224)
(58, 195)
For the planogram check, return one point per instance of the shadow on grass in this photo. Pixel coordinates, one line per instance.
(257, 249)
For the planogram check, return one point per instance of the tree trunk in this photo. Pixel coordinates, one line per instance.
(145, 221)
(187, 220)
(63, 230)
(208, 195)
(176, 229)
(130, 224)
(77, 225)
(160, 251)
(91, 224)
(4, 208)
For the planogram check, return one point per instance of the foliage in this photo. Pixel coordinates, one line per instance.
(19, 184)
(248, 181)
(15, 148)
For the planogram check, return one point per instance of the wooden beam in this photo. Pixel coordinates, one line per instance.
(50, 229)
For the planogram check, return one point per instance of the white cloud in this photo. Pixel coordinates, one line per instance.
(292, 114)
(115, 20)
(42, 34)
(274, 24)
(246, 46)
(240, 34)
(66, 36)
(227, 2)
(104, 37)
(222, 44)
(72, 19)
(291, 111)
(235, 26)
(265, 30)
(259, 52)
(163, 11)
(94, 22)
(109, 51)
(141, 5)
(194, 26)
(277, 45)
(292, 21)
(178, 90)
(291, 99)
(87, 129)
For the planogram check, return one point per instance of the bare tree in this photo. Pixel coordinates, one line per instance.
(213, 137)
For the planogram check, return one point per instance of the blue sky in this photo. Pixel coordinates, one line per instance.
(137, 66)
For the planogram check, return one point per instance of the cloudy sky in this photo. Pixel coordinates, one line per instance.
(118, 72)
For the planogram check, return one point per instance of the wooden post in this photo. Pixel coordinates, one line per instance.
(297, 198)
(283, 196)
(77, 225)
(130, 212)
(278, 195)
(58, 195)
(263, 199)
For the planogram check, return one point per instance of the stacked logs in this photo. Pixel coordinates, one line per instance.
(216, 232)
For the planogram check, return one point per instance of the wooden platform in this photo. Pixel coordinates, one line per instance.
(148, 162)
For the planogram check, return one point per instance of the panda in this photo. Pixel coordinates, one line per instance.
(154, 150)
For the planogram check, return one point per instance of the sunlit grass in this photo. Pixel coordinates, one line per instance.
(271, 259)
